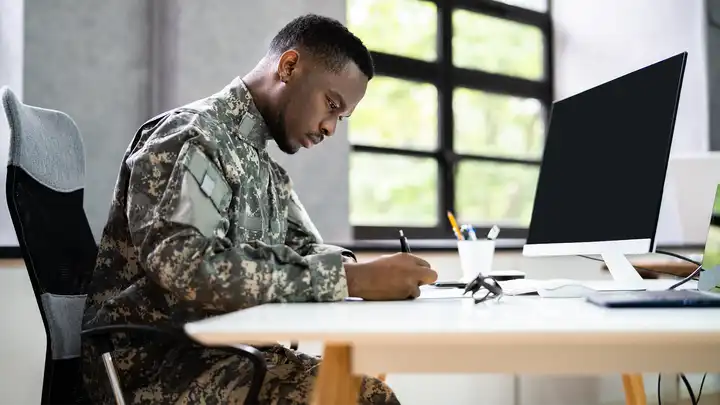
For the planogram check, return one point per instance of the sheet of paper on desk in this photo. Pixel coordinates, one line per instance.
(511, 287)
(431, 292)
(520, 286)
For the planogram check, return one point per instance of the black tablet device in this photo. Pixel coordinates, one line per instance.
(655, 299)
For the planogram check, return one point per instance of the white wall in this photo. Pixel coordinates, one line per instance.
(22, 340)
(598, 40)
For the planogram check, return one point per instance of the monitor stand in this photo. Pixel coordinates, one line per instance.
(625, 276)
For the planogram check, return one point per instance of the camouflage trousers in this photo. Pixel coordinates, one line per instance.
(209, 376)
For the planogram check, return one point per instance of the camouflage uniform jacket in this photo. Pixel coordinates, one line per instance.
(203, 222)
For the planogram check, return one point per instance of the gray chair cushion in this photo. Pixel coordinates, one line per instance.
(45, 143)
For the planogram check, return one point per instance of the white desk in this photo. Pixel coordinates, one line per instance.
(515, 335)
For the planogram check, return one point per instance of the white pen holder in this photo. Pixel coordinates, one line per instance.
(476, 256)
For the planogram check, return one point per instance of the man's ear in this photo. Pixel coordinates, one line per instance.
(287, 64)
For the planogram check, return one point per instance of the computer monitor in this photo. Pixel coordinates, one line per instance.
(603, 169)
(709, 279)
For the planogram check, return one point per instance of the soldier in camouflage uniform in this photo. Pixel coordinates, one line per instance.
(204, 222)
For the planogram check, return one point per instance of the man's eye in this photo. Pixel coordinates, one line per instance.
(332, 105)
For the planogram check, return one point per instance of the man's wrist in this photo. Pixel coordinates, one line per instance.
(353, 278)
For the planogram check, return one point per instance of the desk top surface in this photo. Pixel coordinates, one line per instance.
(446, 317)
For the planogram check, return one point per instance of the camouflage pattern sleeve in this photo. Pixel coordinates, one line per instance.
(303, 237)
(177, 208)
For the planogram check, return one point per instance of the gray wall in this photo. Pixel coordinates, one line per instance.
(713, 47)
(115, 63)
(11, 74)
(85, 61)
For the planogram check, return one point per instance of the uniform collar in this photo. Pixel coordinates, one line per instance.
(248, 124)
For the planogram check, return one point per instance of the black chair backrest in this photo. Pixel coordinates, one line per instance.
(45, 185)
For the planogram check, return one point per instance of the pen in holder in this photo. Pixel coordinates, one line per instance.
(468, 232)
(476, 255)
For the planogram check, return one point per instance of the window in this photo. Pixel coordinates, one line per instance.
(454, 119)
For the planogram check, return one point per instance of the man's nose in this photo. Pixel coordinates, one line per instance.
(327, 128)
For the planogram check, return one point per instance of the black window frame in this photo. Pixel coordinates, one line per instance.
(446, 77)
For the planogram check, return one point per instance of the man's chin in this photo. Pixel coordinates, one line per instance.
(288, 148)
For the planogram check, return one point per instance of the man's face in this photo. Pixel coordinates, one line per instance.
(313, 100)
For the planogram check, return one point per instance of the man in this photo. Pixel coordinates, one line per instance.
(204, 222)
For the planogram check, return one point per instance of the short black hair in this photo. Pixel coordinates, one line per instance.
(326, 38)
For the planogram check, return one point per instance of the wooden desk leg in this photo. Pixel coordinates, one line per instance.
(335, 384)
(634, 389)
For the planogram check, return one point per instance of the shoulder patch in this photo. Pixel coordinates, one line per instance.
(211, 181)
(203, 194)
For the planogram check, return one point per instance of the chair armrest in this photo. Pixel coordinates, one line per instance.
(249, 352)
(138, 329)
(254, 355)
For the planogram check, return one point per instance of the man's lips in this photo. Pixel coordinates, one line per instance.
(311, 139)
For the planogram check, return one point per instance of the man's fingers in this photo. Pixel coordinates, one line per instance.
(425, 275)
(429, 276)
(418, 260)
(414, 291)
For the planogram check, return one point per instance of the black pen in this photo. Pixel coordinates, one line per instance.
(404, 243)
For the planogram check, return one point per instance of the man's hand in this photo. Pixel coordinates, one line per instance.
(390, 277)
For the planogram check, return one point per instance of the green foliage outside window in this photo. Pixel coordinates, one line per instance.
(390, 190)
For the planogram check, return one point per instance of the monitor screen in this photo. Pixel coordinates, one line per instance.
(710, 276)
(605, 159)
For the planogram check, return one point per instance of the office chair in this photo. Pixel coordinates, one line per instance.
(45, 187)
